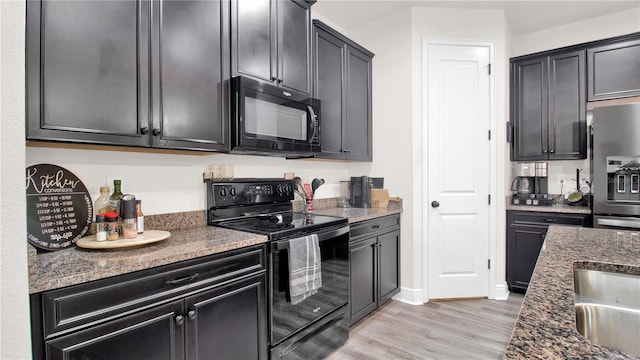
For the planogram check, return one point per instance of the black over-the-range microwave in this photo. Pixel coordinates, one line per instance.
(269, 120)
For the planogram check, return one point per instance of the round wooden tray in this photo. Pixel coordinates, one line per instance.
(147, 237)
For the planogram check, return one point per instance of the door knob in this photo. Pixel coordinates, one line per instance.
(435, 204)
(179, 320)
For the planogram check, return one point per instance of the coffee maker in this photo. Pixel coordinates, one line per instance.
(361, 191)
(530, 186)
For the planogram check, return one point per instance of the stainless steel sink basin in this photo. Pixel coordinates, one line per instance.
(607, 306)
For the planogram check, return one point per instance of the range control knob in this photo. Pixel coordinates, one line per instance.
(223, 191)
(233, 191)
(280, 189)
(288, 188)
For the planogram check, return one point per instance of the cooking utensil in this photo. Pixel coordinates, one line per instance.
(315, 184)
(299, 188)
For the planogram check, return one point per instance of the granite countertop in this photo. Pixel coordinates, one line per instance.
(358, 214)
(72, 266)
(545, 328)
(557, 208)
(190, 238)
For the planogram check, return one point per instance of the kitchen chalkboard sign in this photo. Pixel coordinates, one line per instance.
(59, 208)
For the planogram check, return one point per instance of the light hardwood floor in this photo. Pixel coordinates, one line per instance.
(460, 329)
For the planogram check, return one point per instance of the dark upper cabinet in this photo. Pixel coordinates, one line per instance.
(90, 77)
(191, 81)
(87, 71)
(548, 105)
(614, 69)
(342, 81)
(271, 41)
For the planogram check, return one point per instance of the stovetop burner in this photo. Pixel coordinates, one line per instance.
(262, 206)
(279, 225)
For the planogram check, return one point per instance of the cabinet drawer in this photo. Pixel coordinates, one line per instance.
(374, 226)
(541, 218)
(101, 300)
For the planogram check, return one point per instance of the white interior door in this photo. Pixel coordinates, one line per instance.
(458, 170)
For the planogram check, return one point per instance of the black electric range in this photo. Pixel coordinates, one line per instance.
(320, 323)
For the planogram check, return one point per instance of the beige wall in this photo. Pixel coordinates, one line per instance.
(602, 27)
(390, 40)
(14, 302)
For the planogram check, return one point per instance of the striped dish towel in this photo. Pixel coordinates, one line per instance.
(304, 267)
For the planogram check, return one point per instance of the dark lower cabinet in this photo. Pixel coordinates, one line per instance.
(374, 250)
(208, 308)
(228, 322)
(364, 287)
(525, 236)
(130, 73)
(150, 334)
(342, 79)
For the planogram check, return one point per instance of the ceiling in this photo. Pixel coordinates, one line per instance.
(523, 16)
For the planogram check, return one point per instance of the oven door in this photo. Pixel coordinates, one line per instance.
(268, 119)
(287, 319)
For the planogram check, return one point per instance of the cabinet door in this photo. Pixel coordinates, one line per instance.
(228, 322)
(156, 333)
(363, 279)
(529, 109)
(294, 45)
(87, 71)
(614, 70)
(358, 107)
(388, 266)
(567, 104)
(523, 247)
(328, 79)
(192, 83)
(252, 39)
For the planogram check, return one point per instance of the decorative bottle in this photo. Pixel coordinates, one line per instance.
(140, 216)
(103, 204)
(117, 195)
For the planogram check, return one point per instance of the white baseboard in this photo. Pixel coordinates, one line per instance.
(410, 296)
(501, 292)
(415, 296)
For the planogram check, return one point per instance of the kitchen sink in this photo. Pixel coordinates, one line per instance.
(607, 307)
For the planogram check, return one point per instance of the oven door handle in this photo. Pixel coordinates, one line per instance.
(628, 223)
(322, 236)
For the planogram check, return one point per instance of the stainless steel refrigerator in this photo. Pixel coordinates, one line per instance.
(616, 166)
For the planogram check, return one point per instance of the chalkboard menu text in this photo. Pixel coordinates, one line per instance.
(59, 208)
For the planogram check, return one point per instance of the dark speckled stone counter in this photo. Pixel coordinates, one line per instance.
(545, 328)
(357, 214)
(190, 238)
(555, 208)
(75, 265)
